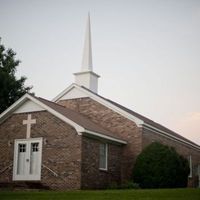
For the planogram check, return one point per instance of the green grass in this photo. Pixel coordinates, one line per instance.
(161, 194)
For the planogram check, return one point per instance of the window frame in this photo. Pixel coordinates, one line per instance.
(106, 157)
(190, 165)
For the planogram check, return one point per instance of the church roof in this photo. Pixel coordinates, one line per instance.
(77, 118)
(74, 116)
(140, 120)
(82, 124)
(143, 118)
(149, 121)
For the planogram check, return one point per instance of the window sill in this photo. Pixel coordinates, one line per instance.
(102, 169)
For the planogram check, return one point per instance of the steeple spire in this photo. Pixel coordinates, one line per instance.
(87, 51)
(87, 77)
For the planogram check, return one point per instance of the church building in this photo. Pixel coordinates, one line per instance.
(80, 139)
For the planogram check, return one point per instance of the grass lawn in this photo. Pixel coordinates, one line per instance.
(163, 194)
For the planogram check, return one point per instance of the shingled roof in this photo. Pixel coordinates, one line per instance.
(77, 118)
(145, 119)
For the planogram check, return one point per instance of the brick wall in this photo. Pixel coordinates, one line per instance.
(137, 137)
(117, 124)
(183, 149)
(94, 178)
(61, 149)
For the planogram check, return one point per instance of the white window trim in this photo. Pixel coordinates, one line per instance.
(28, 177)
(106, 168)
(190, 165)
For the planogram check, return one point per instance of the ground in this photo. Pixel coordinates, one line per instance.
(164, 194)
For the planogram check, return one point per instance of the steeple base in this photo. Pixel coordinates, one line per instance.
(88, 79)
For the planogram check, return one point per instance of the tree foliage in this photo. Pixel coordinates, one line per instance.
(160, 166)
(11, 88)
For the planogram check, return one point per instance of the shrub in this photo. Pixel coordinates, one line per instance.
(160, 166)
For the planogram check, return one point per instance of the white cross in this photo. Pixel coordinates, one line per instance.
(28, 122)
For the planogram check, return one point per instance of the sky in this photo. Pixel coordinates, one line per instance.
(146, 52)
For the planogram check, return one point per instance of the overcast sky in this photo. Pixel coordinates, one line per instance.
(146, 51)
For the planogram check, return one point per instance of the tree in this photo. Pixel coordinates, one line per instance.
(11, 88)
(160, 166)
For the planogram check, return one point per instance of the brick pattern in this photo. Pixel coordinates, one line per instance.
(137, 138)
(117, 124)
(61, 149)
(185, 150)
(92, 177)
(74, 158)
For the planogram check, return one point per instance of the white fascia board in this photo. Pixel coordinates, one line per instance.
(138, 121)
(105, 137)
(55, 99)
(26, 97)
(57, 114)
(129, 116)
(13, 107)
(168, 135)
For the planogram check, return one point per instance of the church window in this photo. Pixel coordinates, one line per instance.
(190, 165)
(103, 156)
(35, 147)
(22, 148)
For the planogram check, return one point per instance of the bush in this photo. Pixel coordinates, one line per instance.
(160, 166)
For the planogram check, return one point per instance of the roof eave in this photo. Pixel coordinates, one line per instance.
(138, 121)
(152, 128)
(103, 137)
(5, 114)
(26, 97)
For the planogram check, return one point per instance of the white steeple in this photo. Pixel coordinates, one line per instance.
(87, 77)
(87, 52)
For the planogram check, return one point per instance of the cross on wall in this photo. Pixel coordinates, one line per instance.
(29, 122)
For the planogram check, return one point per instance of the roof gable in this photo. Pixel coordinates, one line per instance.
(29, 106)
(140, 120)
(99, 99)
(79, 122)
(21, 104)
(70, 93)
